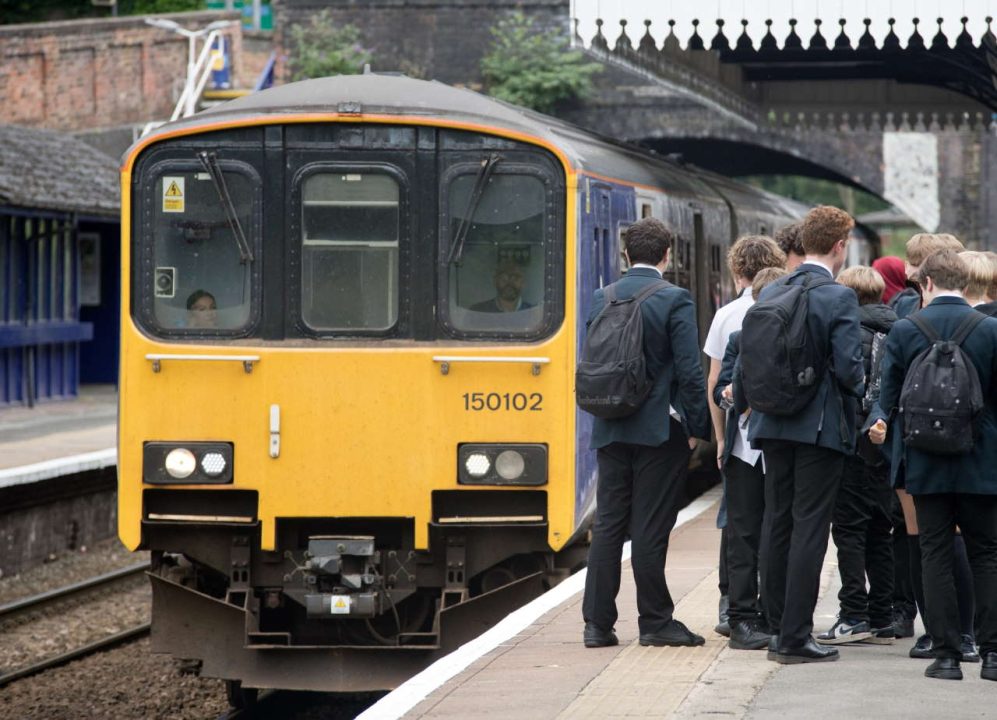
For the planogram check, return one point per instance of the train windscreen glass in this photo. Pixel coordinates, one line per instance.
(496, 280)
(350, 226)
(204, 242)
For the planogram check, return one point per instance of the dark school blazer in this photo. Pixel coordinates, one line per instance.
(671, 349)
(927, 473)
(828, 421)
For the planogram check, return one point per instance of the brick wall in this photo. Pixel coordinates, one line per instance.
(430, 39)
(87, 74)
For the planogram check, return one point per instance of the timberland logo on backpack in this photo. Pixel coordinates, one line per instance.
(611, 380)
(941, 400)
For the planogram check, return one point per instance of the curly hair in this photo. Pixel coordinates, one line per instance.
(753, 253)
(788, 239)
(823, 227)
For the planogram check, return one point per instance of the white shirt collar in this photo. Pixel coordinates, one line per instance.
(746, 292)
(818, 263)
(953, 293)
(645, 265)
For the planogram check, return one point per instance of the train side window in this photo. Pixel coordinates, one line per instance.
(349, 250)
(645, 210)
(202, 270)
(495, 246)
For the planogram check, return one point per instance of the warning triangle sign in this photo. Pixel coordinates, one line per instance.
(174, 190)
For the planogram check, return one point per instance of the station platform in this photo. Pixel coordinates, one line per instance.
(59, 438)
(536, 666)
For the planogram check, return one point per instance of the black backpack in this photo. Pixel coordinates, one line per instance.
(941, 399)
(781, 364)
(611, 379)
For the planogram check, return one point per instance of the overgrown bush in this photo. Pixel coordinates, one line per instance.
(320, 49)
(528, 66)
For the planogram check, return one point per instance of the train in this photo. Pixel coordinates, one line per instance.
(351, 308)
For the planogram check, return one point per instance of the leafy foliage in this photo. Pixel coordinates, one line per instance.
(528, 66)
(320, 49)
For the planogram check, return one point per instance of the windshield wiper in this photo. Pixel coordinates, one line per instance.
(210, 163)
(480, 181)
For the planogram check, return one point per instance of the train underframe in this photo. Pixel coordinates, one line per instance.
(344, 604)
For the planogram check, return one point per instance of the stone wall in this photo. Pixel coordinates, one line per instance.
(87, 74)
(430, 39)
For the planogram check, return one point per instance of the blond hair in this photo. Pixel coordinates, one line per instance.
(922, 245)
(982, 275)
(766, 277)
(867, 283)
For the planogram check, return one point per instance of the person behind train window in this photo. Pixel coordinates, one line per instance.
(509, 279)
(790, 242)
(805, 452)
(949, 490)
(863, 524)
(643, 458)
(746, 257)
(202, 311)
(744, 487)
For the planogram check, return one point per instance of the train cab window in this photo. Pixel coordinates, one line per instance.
(349, 254)
(497, 239)
(204, 229)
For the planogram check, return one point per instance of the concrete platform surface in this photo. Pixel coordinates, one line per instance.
(544, 671)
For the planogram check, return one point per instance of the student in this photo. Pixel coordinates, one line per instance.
(744, 483)
(746, 257)
(862, 525)
(918, 248)
(643, 458)
(790, 242)
(949, 490)
(805, 452)
(894, 275)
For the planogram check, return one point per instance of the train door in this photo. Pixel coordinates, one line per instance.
(603, 257)
(703, 265)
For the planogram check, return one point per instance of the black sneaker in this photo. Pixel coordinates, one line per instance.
(744, 635)
(922, 649)
(881, 636)
(968, 649)
(845, 631)
(596, 637)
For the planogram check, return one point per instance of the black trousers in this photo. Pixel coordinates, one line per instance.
(976, 516)
(904, 601)
(862, 528)
(745, 511)
(801, 482)
(639, 494)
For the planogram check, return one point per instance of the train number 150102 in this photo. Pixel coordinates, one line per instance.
(478, 402)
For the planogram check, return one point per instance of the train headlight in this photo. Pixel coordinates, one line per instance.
(477, 465)
(510, 464)
(180, 463)
(501, 464)
(187, 463)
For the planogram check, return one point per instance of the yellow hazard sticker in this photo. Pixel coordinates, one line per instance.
(340, 605)
(173, 194)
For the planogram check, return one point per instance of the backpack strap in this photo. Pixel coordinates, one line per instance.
(609, 293)
(967, 326)
(925, 327)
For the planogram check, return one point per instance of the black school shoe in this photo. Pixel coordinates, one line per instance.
(944, 669)
(744, 635)
(968, 649)
(808, 652)
(773, 651)
(596, 637)
(989, 669)
(674, 634)
(922, 649)
(903, 626)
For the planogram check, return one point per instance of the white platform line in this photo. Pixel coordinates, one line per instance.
(414, 690)
(48, 469)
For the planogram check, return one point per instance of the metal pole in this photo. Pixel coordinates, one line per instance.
(257, 14)
(189, 84)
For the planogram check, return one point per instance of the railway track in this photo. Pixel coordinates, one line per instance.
(23, 610)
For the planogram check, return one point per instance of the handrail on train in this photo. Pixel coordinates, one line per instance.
(246, 360)
(445, 360)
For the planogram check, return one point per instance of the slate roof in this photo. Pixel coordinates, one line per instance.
(49, 170)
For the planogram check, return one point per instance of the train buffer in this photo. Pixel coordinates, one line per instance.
(541, 670)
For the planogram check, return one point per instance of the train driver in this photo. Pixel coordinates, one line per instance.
(509, 280)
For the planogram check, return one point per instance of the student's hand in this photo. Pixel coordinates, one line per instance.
(877, 433)
(728, 393)
(693, 442)
(720, 453)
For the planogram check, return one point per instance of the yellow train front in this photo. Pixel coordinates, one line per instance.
(350, 316)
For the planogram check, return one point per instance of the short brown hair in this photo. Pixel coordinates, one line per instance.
(647, 241)
(752, 253)
(947, 270)
(922, 245)
(764, 278)
(982, 275)
(788, 239)
(867, 283)
(823, 227)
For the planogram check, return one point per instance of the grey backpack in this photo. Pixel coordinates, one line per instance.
(941, 400)
(611, 380)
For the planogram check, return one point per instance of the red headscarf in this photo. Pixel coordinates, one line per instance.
(894, 274)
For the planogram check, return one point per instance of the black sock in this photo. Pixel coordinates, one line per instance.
(914, 554)
(963, 587)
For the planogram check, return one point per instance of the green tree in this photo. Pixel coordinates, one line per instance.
(535, 68)
(320, 49)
